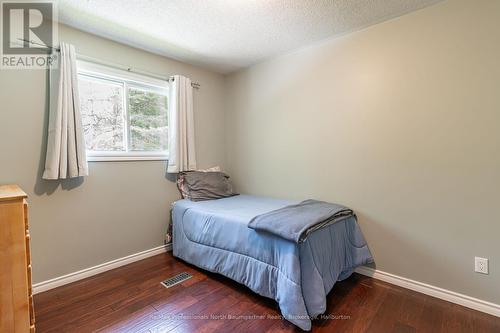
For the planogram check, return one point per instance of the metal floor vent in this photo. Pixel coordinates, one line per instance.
(176, 279)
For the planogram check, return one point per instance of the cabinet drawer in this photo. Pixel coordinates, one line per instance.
(32, 311)
(26, 223)
(30, 287)
(28, 249)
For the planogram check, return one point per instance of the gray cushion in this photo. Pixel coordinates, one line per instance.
(199, 186)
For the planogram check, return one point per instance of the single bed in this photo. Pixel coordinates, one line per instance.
(215, 236)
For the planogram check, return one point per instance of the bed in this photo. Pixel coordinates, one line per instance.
(214, 235)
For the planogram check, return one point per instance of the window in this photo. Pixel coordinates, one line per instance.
(124, 115)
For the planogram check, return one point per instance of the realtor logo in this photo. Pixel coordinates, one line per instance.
(29, 30)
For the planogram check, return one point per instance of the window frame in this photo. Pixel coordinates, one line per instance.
(129, 80)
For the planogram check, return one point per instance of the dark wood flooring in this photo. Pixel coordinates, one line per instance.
(131, 299)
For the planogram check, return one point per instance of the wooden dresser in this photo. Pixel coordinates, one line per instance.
(16, 294)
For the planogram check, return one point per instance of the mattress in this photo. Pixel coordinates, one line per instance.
(214, 235)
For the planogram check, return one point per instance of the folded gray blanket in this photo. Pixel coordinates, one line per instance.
(296, 222)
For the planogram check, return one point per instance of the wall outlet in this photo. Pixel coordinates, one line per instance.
(481, 265)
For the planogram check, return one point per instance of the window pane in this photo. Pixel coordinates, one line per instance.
(102, 114)
(148, 120)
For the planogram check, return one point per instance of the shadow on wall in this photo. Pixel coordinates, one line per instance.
(43, 186)
(171, 177)
(423, 257)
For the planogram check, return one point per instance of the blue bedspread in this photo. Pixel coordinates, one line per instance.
(214, 235)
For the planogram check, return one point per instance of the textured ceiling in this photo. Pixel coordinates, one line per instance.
(226, 35)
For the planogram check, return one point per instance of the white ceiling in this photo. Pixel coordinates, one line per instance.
(226, 35)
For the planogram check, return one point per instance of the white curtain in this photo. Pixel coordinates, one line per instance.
(66, 156)
(182, 156)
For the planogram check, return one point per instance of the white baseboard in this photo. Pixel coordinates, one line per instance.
(87, 272)
(447, 295)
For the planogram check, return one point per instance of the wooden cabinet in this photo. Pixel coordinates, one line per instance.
(16, 294)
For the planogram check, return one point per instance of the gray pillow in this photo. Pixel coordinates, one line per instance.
(199, 186)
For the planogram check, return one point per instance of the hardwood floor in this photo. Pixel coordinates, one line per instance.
(131, 299)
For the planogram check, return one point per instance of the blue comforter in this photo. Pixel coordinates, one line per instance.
(214, 235)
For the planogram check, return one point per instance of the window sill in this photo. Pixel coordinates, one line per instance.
(122, 158)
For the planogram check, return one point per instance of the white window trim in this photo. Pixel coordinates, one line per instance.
(135, 80)
(110, 156)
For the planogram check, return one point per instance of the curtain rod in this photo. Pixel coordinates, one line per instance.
(195, 85)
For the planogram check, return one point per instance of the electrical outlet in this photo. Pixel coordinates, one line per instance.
(481, 265)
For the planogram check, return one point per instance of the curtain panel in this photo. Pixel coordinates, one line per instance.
(66, 155)
(182, 155)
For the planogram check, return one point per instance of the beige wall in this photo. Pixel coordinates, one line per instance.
(400, 121)
(122, 207)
